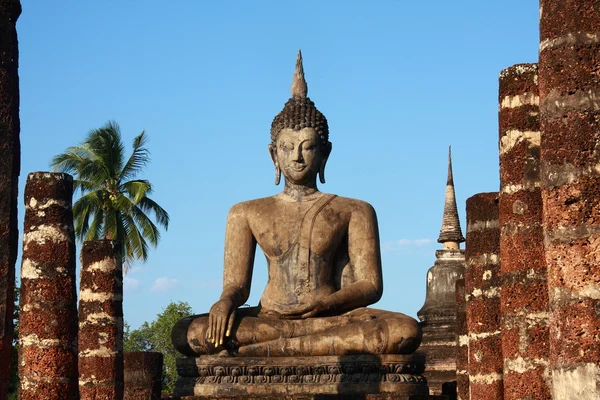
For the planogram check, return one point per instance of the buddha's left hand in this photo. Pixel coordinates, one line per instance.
(310, 310)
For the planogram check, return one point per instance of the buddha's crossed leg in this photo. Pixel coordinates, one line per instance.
(361, 331)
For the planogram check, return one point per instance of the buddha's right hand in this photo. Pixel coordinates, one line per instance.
(220, 321)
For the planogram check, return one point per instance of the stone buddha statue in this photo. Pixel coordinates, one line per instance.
(323, 258)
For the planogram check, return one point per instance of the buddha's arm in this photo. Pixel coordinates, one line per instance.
(240, 247)
(365, 257)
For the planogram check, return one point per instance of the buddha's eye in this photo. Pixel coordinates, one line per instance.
(286, 146)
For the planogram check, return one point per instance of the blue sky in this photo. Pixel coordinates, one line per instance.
(398, 81)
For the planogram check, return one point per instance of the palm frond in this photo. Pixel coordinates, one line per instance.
(93, 170)
(149, 230)
(81, 162)
(106, 144)
(70, 160)
(123, 236)
(128, 255)
(95, 230)
(138, 246)
(136, 190)
(85, 207)
(138, 159)
(160, 214)
(85, 186)
(81, 222)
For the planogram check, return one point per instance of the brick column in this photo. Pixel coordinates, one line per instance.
(9, 175)
(143, 375)
(569, 81)
(482, 288)
(101, 321)
(48, 303)
(462, 343)
(524, 294)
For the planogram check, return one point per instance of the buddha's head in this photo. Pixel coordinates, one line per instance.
(300, 143)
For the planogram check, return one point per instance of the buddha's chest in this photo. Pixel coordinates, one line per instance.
(280, 229)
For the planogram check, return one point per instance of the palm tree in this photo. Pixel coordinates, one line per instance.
(113, 205)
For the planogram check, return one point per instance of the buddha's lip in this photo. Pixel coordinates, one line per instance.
(298, 168)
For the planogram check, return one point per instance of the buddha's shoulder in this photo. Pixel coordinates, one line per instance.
(353, 205)
(266, 205)
(253, 206)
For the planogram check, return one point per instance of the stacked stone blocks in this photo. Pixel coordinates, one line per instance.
(101, 321)
(482, 288)
(143, 375)
(462, 343)
(569, 82)
(524, 293)
(48, 319)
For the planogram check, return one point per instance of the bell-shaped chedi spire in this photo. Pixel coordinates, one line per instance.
(299, 86)
(438, 314)
(450, 234)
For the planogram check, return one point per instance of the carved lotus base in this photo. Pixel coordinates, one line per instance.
(214, 377)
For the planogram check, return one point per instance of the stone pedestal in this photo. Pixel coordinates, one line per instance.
(302, 377)
(381, 396)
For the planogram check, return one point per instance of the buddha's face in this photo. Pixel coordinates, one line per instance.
(299, 155)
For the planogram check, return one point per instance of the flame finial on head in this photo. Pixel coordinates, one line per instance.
(299, 86)
(300, 112)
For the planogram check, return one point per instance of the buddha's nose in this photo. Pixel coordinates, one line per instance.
(297, 156)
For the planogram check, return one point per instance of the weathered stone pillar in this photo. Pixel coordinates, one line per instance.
(10, 161)
(101, 321)
(482, 287)
(462, 343)
(569, 82)
(438, 314)
(48, 301)
(524, 294)
(143, 375)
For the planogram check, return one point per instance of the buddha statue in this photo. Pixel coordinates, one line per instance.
(323, 258)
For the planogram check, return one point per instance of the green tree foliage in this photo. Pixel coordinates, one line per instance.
(156, 336)
(113, 205)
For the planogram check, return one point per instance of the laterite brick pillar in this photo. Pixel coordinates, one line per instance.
(524, 293)
(462, 343)
(482, 288)
(101, 321)
(9, 175)
(569, 80)
(143, 375)
(48, 302)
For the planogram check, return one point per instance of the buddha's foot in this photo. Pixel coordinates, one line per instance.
(224, 353)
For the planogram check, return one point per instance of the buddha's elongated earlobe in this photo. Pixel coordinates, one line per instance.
(273, 154)
(322, 171)
(324, 162)
(277, 175)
